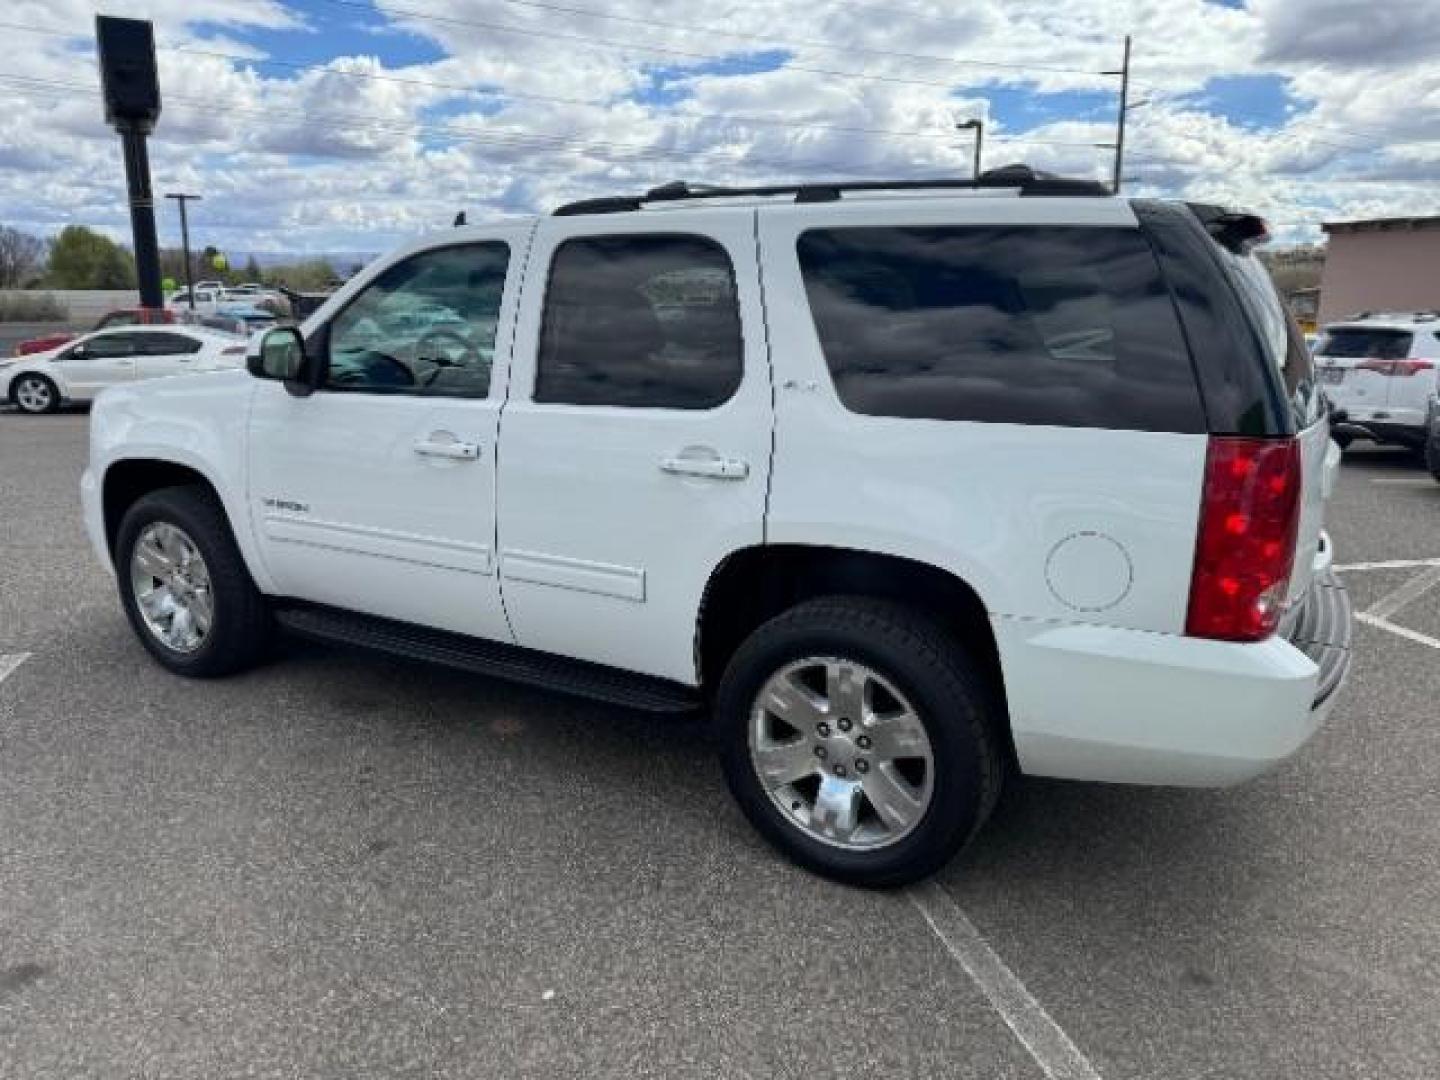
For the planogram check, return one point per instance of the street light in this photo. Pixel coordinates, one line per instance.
(185, 241)
(977, 126)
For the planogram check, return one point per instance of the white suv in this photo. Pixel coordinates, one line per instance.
(912, 485)
(1379, 371)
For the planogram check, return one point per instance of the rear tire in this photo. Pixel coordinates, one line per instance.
(1432, 457)
(35, 394)
(946, 757)
(190, 568)
(1342, 441)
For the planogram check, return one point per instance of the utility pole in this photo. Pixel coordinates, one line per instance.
(1124, 74)
(978, 126)
(181, 200)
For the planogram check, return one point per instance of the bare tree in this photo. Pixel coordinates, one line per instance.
(21, 257)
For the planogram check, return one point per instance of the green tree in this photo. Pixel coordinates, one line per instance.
(310, 275)
(252, 271)
(21, 256)
(81, 258)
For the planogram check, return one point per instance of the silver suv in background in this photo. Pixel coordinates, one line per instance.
(1379, 372)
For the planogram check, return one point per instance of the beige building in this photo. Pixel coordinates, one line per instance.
(1387, 264)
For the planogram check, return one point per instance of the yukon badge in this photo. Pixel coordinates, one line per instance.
(286, 504)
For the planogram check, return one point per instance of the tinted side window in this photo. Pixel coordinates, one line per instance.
(640, 321)
(424, 326)
(167, 344)
(1280, 337)
(1060, 326)
(1364, 343)
(109, 346)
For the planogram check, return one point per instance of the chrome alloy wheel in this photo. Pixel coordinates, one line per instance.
(842, 753)
(172, 587)
(33, 394)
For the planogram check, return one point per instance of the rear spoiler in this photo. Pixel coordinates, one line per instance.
(1235, 230)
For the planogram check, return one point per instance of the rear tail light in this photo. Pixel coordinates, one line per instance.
(1396, 367)
(1245, 547)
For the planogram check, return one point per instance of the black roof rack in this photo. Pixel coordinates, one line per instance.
(1029, 181)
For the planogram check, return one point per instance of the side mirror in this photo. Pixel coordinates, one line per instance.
(279, 354)
(75, 352)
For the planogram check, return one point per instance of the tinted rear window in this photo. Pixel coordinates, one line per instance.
(1277, 332)
(1061, 326)
(1365, 343)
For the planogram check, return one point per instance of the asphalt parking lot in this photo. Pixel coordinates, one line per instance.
(342, 866)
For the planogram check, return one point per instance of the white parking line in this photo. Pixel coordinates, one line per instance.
(1411, 591)
(9, 662)
(1057, 1056)
(1394, 628)
(1387, 564)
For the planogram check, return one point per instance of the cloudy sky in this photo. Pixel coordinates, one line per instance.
(349, 125)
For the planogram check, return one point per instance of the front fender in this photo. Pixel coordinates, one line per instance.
(200, 422)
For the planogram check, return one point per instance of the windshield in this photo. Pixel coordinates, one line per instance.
(1365, 343)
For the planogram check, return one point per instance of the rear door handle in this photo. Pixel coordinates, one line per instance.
(458, 451)
(714, 468)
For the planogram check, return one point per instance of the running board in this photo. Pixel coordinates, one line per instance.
(482, 657)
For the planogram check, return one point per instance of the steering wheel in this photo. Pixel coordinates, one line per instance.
(428, 348)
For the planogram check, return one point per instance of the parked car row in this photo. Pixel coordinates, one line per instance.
(122, 317)
(76, 371)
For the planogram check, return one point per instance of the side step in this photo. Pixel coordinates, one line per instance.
(492, 658)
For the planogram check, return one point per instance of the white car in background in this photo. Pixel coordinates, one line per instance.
(1379, 370)
(80, 369)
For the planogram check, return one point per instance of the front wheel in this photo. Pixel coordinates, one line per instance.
(35, 394)
(859, 740)
(185, 586)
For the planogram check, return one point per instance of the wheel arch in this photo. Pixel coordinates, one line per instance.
(127, 480)
(752, 585)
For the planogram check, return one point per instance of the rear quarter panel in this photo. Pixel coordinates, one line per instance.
(1044, 523)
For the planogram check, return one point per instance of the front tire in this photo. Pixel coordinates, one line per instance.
(185, 587)
(35, 394)
(859, 739)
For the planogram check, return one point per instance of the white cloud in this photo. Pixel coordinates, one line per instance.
(362, 153)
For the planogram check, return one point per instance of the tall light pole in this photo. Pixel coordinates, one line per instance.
(978, 126)
(181, 200)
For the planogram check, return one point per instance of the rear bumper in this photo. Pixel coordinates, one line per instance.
(1393, 430)
(1128, 706)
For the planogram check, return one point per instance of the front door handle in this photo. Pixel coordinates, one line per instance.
(452, 448)
(714, 468)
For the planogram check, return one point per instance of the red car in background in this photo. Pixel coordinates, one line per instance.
(119, 317)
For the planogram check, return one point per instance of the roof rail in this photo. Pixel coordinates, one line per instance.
(1029, 182)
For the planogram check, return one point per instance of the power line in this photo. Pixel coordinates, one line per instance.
(715, 31)
(635, 151)
(471, 90)
(551, 35)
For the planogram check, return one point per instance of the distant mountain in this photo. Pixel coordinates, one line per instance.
(343, 261)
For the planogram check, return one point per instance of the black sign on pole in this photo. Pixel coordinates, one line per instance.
(131, 87)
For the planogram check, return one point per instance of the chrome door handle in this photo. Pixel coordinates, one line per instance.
(459, 451)
(714, 468)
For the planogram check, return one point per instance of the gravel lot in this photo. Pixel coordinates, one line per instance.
(345, 866)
